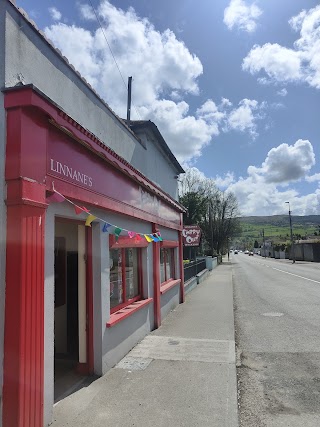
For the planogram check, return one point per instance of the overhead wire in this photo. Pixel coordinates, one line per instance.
(113, 56)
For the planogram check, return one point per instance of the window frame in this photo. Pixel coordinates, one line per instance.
(122, 244)
(170, 245)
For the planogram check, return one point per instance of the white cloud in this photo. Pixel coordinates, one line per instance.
(265, 188)
(243, 118)
(86, 12)
(282, 92)
(313, 178)
(300, 64)
(224, 181)
(256, 196)
(286, 163)
(164, 72)
(239, 14)
(55, 13)
(279, 63)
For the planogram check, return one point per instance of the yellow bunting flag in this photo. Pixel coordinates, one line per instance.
(90, 219)
(148, 238)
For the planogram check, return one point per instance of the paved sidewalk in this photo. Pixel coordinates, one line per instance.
(182, 374)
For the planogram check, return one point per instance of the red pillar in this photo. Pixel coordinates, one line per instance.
(24, 306)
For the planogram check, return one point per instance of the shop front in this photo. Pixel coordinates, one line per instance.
(93, 257)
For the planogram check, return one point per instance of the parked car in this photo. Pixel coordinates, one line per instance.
(250, 253)
(235, 251)
(246, 252)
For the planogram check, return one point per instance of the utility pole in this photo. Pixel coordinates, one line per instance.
(291, 235)
(264, 243)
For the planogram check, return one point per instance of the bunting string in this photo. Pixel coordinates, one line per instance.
(107, 227)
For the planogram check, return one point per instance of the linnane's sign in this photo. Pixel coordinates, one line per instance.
(70, 172)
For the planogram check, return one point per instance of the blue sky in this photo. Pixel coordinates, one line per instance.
(232, 85)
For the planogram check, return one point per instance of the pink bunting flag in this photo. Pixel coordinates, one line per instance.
(56, 197)
(80, 209)
(131, 234)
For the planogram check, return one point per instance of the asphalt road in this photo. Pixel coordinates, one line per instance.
(277, 321)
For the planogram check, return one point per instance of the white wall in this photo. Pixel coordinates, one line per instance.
(30, 59)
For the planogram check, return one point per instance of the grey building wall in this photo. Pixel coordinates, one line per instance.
(110, 344)
(2, 197)
(30, 59)
(157, 166)
(169, 301)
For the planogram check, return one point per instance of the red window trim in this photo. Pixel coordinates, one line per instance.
(140, 295)
(166, 286)
(167, 279)
(127, 311)
(126, 242)
(169, 244)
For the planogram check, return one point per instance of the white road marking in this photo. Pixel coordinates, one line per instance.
(291, 274)
(296, 275)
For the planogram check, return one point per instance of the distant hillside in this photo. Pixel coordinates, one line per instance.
(276, 228)
(281, 220)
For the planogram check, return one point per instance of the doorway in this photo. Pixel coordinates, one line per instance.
(71, 320)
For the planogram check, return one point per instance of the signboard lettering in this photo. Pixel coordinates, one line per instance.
(191, 235)
(70, 172)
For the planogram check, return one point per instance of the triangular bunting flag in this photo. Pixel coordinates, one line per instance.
(117, 232)
(131, 234)
(105, 227)
(80, 209)
(90, 219)
(148, 238)
(138, 238)
(155, 238)
(56, 197)
(159, 237)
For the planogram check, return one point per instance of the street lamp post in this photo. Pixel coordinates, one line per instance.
(264, 243)
(291, 235)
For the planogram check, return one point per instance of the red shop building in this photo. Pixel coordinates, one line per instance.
(93, 255)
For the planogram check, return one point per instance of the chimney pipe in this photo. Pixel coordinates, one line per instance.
(129, 100)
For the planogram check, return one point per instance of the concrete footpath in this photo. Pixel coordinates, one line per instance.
(182, 374)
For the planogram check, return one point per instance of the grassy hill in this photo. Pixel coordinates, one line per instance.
(276, 228)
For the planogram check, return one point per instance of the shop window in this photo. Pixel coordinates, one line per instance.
(167, 270)
(125, 273)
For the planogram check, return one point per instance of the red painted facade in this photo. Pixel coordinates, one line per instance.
(39, 135)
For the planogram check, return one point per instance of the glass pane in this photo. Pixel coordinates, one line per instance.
(162, 271)
(116, 289)
(132, 281)
(169, 264)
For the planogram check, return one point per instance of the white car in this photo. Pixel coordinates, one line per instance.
(246, 252)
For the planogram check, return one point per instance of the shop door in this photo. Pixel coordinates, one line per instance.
(72, 300)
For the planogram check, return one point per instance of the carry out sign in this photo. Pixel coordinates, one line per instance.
(191, 235)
